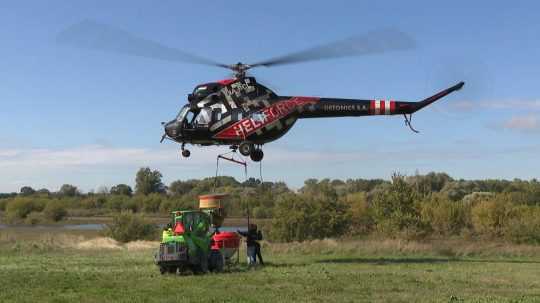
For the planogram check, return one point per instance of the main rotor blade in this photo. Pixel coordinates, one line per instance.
(92, 35)
(374, 42)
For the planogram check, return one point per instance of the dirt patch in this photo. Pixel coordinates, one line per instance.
(99, 243)
(141, 245)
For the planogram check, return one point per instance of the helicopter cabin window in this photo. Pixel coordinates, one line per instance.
(216, 114)
(258, 117)
(204, 117)
(189, 117)
(237, 114)
(182, 114)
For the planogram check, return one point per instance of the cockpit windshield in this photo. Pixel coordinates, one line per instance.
(191, 118)
(182, 114)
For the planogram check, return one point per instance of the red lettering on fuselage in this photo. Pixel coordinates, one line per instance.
(276, 111)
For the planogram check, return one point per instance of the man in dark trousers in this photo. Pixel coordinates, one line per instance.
(253, 247)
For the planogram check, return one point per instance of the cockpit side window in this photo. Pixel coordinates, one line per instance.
(204, 117)
(189, 117)
(182, 113)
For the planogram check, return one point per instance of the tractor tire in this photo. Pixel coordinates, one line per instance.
(201, 266)
(245, 148)
(172, 270)
(162, 270)
(216, 261)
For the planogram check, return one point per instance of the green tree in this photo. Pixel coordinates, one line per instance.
(44, 191)
(121, 189)
(54, 211)
(127, 226)
(182, 187)
(394, 209)
(27, 191)
(68, 190)
(148, 181)
(299, 217)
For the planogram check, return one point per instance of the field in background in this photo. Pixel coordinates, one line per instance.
(79, 266)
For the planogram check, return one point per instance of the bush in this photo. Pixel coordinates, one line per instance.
(149, 203)
(19, 208)
(54, 211)
(524, 227)
(3, 204)
(261, 212)
(360, 214)
(446, 217)
(34, 218)
(303, 217)
(489, 217)
(395, 212)
(128, 226)
(120, 202)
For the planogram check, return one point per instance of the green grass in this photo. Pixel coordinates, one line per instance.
(315, 272)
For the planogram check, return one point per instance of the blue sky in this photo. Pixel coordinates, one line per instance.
(92, 118)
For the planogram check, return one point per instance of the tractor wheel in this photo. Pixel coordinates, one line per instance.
(201, 267)
(162, 270)
(256, 155)
(216, 261)
(172, 270)
(245, 148)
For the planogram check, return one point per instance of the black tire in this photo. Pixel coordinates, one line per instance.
(162, 270)
(216, 261)
(172, 270)
(245, 148)
(256, 155)
(186, 153)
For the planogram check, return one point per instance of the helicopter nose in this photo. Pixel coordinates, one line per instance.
(172, 129)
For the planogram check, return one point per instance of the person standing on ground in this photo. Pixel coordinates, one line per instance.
(251, 242)
(258, 245)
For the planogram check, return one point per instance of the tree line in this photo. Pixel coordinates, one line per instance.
(418, 206)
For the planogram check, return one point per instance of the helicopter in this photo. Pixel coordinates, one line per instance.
(239, 111)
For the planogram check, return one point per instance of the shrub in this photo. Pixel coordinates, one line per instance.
(3, 203)
(360, 214)
(19, 208)
(303, 217)
(149, 203)
(261, 212)
(446, 217)
(524, 226)
(127, 226)
(119, 203)
(34, 218)
(54, 211)
(93, 202)
(489, 217)
(394, 210)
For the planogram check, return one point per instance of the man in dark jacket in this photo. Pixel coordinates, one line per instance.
(253, 247)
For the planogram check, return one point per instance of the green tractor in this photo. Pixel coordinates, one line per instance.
(186, 244)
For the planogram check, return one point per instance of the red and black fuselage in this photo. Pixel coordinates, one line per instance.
(232, 111)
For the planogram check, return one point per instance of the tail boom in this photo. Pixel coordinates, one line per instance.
(335, 107)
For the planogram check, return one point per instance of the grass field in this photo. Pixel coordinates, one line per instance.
(61, 268)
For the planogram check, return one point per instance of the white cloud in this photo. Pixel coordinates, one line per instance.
(519, 105)
(528, 123)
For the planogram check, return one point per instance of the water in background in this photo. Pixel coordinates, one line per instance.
(96, 227)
